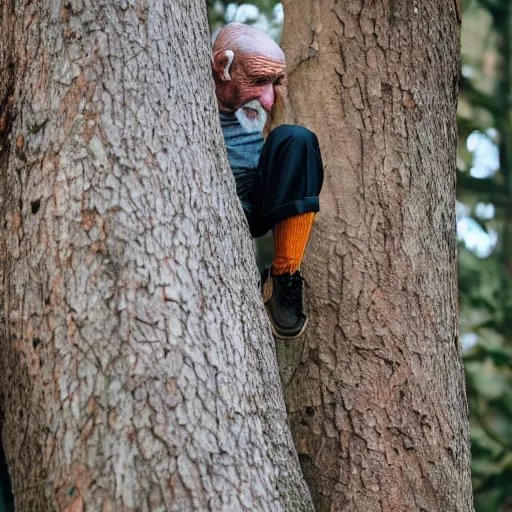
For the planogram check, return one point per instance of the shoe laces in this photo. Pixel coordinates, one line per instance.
(291, 287)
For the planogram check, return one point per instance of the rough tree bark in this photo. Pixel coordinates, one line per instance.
(376, 390)
(137, 367)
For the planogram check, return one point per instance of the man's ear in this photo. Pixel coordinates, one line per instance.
(222, 61)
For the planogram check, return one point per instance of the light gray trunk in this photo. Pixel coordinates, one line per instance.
(375, 391)
(137, 368)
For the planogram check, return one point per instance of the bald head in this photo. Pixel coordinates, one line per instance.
(247, 40)
(247, 65)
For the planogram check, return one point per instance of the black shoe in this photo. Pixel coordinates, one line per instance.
(282, 296)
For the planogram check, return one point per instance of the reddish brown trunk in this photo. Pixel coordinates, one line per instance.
(375, 391)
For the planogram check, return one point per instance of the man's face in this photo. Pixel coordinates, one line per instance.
(252, 78)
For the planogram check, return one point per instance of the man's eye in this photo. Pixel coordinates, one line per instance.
(263, 81)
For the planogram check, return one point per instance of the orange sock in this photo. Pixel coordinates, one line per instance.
(290, 240)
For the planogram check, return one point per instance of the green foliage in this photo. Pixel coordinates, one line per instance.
(264, 14)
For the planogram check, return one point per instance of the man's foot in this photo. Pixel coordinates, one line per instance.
(282, 295)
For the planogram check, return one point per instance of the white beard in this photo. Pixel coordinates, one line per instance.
(252, 125)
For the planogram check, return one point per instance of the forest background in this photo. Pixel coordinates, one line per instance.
(484, 226)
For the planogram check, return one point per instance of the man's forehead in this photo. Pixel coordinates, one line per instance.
(255, 64)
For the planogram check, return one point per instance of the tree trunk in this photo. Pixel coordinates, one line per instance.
(137, 367)
(375, 392)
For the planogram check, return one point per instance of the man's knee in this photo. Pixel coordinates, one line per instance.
(298, 134)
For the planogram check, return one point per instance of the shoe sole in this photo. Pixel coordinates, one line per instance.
(288, 338)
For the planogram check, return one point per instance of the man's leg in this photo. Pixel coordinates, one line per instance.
(290, 239)
(291, 176)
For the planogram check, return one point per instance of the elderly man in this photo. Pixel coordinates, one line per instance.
(278, 180)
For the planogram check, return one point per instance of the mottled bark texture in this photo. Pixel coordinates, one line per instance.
(376, 392)
(137, 366)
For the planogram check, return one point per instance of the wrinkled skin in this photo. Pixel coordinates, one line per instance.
(255, 70)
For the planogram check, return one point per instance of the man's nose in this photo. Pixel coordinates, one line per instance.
(267, 98)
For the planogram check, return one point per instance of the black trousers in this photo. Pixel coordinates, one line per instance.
(288, 180)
